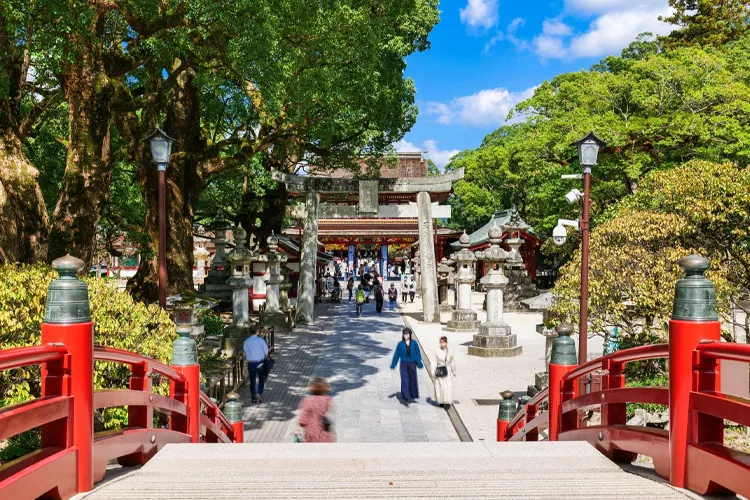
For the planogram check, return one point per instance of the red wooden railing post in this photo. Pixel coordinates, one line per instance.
(562, 361)
(613, 413)
(185, 361)
(505, 414)
(67, 320)
(233, 412)
(694, 318)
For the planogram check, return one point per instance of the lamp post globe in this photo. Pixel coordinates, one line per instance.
(161, 152)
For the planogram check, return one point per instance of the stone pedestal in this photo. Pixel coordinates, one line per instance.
(494, 338)
(463, 318)
(308, 259)
(235, 335)
(427, 280)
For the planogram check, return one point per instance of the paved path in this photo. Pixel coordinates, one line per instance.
(354, 354)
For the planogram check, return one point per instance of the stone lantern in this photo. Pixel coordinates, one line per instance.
(274, 260)
(520, 286)
(463, 318)
(445, 276)
(216, 282)
(494, 338)
(240, 262)
(284, 288)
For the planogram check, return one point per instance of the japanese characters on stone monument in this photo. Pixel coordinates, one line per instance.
(494, 338)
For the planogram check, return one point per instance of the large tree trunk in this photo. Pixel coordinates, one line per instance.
(24, 223)
(85, 184)
(184, 184)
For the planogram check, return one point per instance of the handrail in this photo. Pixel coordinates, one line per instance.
(725, 350)
(22, 356)
(540, 396)
(640, 353)
(219, 414)
(104, 353)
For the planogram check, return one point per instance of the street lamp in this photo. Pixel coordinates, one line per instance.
(161, 149)
(588, 153)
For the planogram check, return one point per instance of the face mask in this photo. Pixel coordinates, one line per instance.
(406, 337)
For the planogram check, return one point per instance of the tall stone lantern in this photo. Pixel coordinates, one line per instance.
(494, 338)
(520, 286)
(274, 259)
(463, 318)
(240, 262)
(215, 283)
(445, 276)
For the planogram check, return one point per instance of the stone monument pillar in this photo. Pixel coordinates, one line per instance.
(520, 286)
(215, 283)
(427, 264)
(308, 260)
(445, 275)
(463, 318)
(240, 262)
(273, 316)
(494, 338)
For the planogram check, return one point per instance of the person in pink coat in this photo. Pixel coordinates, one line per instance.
(313, 413)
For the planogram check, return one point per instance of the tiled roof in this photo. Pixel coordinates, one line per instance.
(501, 218)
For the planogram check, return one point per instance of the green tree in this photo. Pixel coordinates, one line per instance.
(707, 22)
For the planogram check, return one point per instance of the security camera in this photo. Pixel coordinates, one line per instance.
(573, 197)
(559, 234)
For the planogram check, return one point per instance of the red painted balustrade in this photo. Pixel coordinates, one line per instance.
(697, 459)
(61, 468)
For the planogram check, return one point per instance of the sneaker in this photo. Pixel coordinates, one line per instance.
(260, 399)
(254, 402)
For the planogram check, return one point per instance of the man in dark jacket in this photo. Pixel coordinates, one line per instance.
(378, 292)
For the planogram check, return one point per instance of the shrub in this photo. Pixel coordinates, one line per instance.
(119, 321)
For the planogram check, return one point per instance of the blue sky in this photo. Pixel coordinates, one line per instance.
(488, 55)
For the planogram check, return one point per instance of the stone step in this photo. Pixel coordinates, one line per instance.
(382, 470)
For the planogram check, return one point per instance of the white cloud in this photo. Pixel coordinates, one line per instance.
(479, 14)
(617, 23)
(590, 7)
(486, 107)
(510, 35)
(441, 157)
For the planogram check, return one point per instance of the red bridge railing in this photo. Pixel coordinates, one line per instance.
(53, 470)
(692, 453)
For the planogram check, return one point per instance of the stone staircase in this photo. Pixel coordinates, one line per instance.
(382, 470)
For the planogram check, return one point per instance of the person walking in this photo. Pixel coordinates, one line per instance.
(256, 351)
(404, 289)
(412, 289)
(360, 299)
(313, 413)
(445, 370)
(407, 353)
(350, 287)
(392, 296)
(377, 290)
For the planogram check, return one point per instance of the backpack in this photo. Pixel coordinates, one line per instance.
(360, 296)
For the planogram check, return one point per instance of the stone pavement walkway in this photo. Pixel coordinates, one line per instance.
(354, 354)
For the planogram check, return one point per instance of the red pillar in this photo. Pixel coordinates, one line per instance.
(67, 321)
(694, 319)
(558, 394)
(188, 393)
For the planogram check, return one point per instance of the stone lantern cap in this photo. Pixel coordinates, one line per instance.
(219, 221)
(494, 254)
(273, 254)
(464, 255)
(240, 253)
(515, 224)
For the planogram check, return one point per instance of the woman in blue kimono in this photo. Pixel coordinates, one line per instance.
(407, 351)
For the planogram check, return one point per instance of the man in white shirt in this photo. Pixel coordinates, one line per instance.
(256, 351)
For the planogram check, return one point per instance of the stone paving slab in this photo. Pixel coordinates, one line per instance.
(354, 355)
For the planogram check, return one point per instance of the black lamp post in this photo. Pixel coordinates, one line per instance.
(161, 147)
(588, 152)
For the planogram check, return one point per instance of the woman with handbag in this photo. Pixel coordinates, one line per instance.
(443, 380)
(313, 413)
